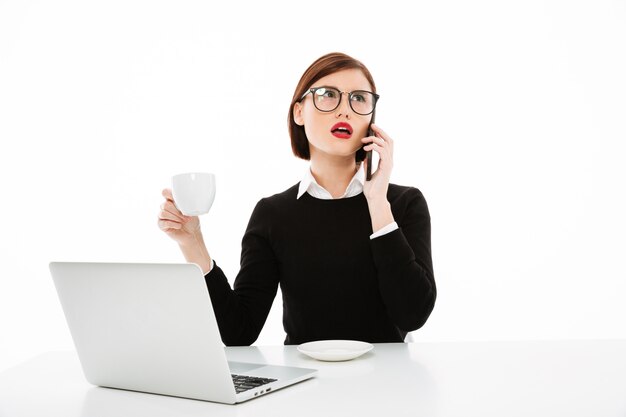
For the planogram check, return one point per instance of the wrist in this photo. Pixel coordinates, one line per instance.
(194, 240)
(194, 250)
(380, 213)
(377, 201)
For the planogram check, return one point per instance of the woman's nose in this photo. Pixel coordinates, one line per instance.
(344, 107)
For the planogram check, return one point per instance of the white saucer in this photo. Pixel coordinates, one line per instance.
(335, 350)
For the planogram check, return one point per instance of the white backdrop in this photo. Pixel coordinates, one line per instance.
(509, 116)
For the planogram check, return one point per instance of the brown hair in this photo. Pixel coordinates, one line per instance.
(323, 66)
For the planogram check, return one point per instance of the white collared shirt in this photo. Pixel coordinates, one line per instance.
(355, 187)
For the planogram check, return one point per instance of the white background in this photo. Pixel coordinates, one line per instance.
(509, 116)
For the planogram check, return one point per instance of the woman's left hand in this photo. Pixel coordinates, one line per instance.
(376, 188)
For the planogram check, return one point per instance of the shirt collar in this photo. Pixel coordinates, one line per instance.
(308, 184)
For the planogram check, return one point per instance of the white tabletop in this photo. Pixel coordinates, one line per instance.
(551, 378)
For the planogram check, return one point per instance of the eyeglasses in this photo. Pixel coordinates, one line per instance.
(327, 99)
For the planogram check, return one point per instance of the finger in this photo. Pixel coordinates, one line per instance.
(167, 193)
(375, 147)
(373, 139)
(166, 215)
(383, 153)
(384, 165)
(167, 225)
(381, 142)
(376, 140)
(171, 208)
(382, 133)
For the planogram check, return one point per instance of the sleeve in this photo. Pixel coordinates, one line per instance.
(241, 312)
(404, 264)
(210, 267)
(387, 229)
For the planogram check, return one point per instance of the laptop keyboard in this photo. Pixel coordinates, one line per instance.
(245, 382)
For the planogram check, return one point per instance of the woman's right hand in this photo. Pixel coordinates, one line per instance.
(183, 229)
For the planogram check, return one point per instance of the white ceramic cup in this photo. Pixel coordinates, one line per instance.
(193, 192)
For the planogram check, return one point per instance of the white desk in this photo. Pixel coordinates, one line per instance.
(560, 378)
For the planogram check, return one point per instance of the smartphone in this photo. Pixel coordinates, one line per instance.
(368, 154)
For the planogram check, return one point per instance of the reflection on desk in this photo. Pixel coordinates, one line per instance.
(573, 378)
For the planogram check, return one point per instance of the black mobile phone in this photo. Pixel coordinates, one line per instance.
(368, 154)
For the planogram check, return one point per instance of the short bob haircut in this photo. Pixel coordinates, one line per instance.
(323, 66)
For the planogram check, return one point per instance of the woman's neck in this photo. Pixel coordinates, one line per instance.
(333, 173)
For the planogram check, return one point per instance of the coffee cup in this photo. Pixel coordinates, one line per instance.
(193, 192)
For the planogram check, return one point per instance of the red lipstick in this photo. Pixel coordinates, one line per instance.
(342, 130)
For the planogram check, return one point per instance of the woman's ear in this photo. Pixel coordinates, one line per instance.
(297, 114)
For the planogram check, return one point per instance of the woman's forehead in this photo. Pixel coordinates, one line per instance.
(345, 80)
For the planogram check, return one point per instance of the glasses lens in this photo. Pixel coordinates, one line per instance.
(326, 98)
(362, 102)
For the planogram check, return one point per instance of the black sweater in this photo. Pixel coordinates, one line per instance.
(336, 282)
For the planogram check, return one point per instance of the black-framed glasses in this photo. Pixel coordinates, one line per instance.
(327, 99)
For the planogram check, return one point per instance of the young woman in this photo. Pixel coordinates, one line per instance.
(352, 257)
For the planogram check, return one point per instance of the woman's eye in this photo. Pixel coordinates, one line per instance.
(358, 97)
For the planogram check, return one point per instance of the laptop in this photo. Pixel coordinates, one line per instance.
(151, 328)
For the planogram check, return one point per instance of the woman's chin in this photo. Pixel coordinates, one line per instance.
(333, 151)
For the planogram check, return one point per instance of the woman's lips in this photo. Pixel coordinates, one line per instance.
(341, 130)
(341, 135)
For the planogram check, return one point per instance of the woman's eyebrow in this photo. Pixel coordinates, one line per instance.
(337, 88)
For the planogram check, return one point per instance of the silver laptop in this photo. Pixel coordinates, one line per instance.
(151, 328)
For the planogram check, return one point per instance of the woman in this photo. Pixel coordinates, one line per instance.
(352, 257)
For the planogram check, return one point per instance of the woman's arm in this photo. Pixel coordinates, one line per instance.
(241, 312)
(404, 263)
(403, 256)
